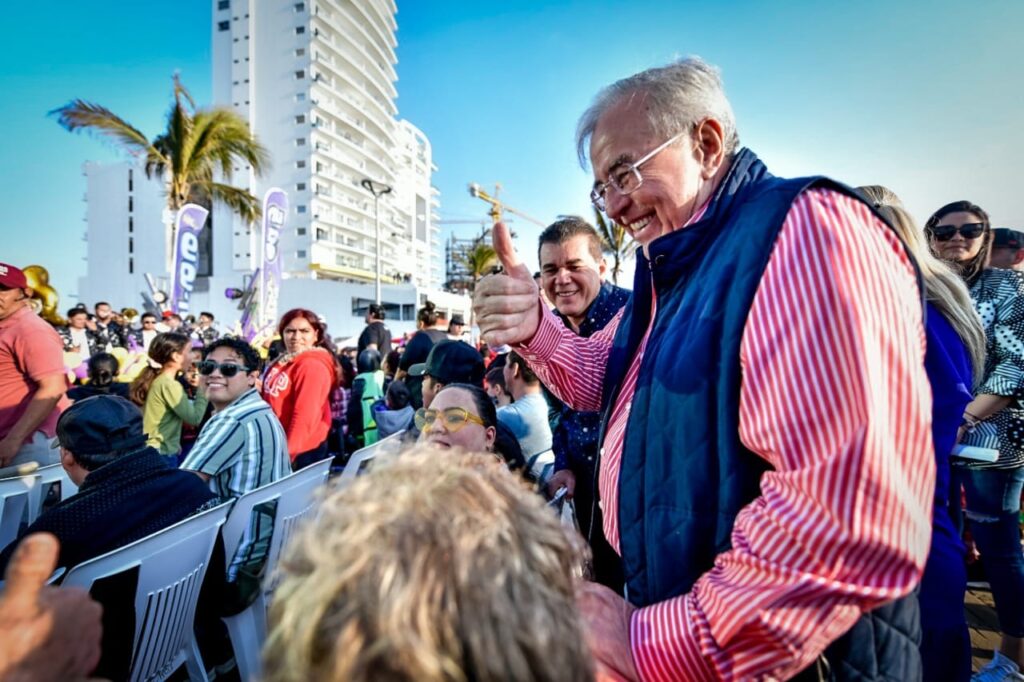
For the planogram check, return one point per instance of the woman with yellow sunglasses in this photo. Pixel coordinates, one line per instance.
(460, 416)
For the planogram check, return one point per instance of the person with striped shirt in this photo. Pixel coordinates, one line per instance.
(766, 470)
(243, 446)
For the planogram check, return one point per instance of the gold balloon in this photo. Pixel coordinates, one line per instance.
(39, 281)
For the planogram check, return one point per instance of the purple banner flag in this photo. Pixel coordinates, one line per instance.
(190, 221)
(275, 211)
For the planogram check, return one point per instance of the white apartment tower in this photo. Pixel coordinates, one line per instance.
(316, 80)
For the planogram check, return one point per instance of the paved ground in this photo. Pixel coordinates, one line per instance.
(984, 626)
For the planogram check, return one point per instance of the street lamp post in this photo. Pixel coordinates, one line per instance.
(377, 189)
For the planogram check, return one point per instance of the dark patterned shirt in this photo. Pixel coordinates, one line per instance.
(575, 438)
(998, 297)
(133, 496)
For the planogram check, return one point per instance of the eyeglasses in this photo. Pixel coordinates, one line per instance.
(943, 233)
(627, 179)
(453, 418)
(227, 369)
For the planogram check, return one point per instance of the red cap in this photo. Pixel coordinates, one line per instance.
(12, 277)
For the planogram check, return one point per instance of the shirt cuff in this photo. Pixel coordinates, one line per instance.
(664, 647)
(547, 337)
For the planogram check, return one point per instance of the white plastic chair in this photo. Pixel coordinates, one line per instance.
(171, 565)
(15, 505)
(295, 500)
(361, 457)
(48, 476)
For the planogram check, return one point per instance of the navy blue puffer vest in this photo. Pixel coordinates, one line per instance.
(685, 474)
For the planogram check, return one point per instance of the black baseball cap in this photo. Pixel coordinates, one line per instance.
(457, 318)
(452, 362)
(101, 425)
(1004, 236)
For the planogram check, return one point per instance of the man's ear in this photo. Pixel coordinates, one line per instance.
(1018, 257)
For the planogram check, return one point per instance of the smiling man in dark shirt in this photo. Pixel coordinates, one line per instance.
(572, 277)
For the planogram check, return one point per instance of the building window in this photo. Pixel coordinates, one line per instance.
(301, 118)
(299, 30)
(321, 234)
(130, 204)
(300, 186)
(300, 52)
(223, 25)
(300, 7)
(131, 245)
(223, 4)
(301, 142)
(131, 224)
(130, 183)
(301, 253)
(301, 163)
(300, 97)
(300, 231)
(300, 74)
(300, 209)
(131, 266)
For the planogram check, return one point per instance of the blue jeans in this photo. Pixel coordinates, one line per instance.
(993, 508)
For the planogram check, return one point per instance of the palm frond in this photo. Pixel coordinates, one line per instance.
(237, 199)
(79, 115)
(479, 260)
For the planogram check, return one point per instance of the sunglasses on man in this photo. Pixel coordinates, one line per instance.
(943, 233)
(227, 369)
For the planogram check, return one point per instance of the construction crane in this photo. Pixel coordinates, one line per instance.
(497, 206)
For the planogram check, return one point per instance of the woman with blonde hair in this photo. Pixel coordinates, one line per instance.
(954, 357)
(435, 565)
(960, 234)
(165, 407)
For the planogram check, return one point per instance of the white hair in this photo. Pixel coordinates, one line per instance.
(678, 96)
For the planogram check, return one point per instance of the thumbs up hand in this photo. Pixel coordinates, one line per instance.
(507, 306)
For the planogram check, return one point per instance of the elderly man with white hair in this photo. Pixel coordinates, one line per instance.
(766, 468)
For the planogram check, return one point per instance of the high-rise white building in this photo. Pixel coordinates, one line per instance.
(316, 80)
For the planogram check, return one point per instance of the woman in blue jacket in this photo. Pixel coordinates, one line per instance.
(955, 354)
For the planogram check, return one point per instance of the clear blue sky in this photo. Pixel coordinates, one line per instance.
(925, 97)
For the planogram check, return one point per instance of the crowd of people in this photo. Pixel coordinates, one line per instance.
(781, 449)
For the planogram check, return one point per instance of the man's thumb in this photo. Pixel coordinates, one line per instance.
(30, 567)
(506, 252)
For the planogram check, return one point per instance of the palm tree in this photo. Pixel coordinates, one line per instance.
(479, 260)
(617, 242)
(197, 144)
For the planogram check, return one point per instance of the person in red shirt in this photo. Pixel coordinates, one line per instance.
(32, 381)
(298, 385)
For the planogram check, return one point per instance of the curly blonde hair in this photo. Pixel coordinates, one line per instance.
(436, 565)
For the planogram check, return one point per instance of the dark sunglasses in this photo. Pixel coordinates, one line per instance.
(227, 369)
(943, 233)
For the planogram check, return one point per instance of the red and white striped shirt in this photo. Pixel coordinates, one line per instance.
(835, 397)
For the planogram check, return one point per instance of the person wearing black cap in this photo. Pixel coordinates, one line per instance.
(376, 335)
(449, 362)
(126, 490)
(457, 327)
(1007, 249)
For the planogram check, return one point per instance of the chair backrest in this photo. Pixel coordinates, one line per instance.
(171, 566)
(15, 505)
(51, 475)
(296, 503)
(361, 457)
(301, 484)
